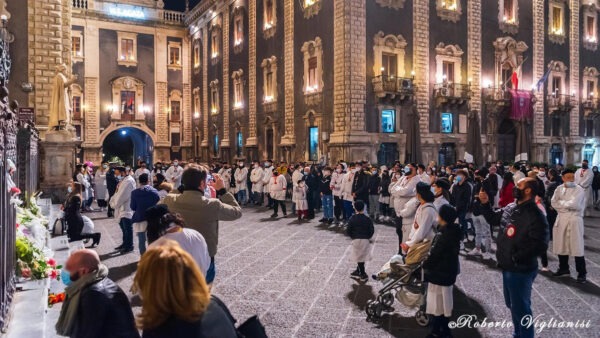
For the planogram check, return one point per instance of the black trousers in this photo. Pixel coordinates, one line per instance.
(398, 221)
(276, 204)
(563, 264)
(338, 206)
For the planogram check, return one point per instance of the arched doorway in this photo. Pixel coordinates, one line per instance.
(507, 137)
(129, 145)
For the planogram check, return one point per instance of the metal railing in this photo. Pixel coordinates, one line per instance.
(560, 102)
(454, 90)
(28, 164)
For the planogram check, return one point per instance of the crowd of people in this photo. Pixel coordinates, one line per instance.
(505, 213)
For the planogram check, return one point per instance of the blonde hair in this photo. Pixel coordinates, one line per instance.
(166, 186)
(170, 284)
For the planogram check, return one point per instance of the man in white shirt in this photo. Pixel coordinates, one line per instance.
(141, 170)
(241, 183)
(402, 191)
(336, 187)
(121, 203)
(256, 177)
(423, 174)
(174, 173)
(267, 175)
(517, 173)
(583, 178)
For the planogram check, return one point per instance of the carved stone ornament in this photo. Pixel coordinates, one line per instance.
(449, 10)
(394, 4)
(311, 8)
(448, 50)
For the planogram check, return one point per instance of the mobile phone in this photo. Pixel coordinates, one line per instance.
(210, 178)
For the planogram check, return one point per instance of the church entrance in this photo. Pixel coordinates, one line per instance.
(129, 146)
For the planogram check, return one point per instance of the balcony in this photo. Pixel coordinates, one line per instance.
(451, 93)
(560, 103)
(591, 107)
(392, 88)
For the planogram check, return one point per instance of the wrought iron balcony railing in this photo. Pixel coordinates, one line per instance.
(560, 103)
(393, 86)
(451, 93)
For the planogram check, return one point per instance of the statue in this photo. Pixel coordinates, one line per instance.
(60, 101)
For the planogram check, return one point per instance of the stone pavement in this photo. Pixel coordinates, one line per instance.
(296, 278)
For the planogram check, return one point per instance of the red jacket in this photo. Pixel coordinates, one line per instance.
(506, 195)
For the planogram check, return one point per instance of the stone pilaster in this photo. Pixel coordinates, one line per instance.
(49, 26)
(288, 138)
(226, 78)
(252, 140)
(574, 45)
(421, 60)
(474, 51)
(349, 139)
(187, 93)
(539, 67)
(205, 89)
(93, 107)
(162, 130)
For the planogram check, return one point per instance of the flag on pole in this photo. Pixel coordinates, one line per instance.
(543, 79)
(515, 80)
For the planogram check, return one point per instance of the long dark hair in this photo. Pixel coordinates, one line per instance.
(508, 177)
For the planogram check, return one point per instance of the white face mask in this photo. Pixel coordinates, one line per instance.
(175, 163)
(542, 174)
(338, 170)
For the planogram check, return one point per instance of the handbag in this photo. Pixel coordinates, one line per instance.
(251, 328)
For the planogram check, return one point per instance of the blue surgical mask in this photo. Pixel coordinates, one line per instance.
(70, 189)
(458, 178)
(570, 184)
(105, 166)
(65, 277)
(407, 170)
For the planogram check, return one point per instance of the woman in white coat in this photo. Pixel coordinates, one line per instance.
(256, 177)
(277, 188)
(408, 213)
(100, 183)
(567, 233)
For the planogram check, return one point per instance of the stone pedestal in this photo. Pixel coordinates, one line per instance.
(351, 146)
(58, 163)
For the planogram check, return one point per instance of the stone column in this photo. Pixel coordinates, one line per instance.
(349, 141)
(162, 93)
(205, 89)
(252, 141)
(187, 121)
(421, 61)
(225, 142)
(574, 44)
(474, 51)
(93, 106)
(289, 138)
(539, 69)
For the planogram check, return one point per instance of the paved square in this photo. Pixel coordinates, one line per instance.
(296, 278)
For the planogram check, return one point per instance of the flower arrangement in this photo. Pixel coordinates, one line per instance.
(31, 261)
(55, 298)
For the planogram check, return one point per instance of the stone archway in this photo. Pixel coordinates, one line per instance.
(128, 143)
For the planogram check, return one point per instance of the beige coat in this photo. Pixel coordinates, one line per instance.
(203, 214)
(567, 232)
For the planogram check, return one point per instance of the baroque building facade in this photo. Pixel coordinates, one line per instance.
(323, 79)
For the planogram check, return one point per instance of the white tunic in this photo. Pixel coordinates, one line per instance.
(296, 175)
(267, 175)
(567, 233)
(408, 216)
(241, 179)
(439, 300)
(256, 177)
(100, 181)
(173, 175)
(347, 182)
(277, 187)
(403, 191)
(584, 178)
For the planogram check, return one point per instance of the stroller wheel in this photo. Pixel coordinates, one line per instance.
(422, 318)
(374, 309)
(387, 299)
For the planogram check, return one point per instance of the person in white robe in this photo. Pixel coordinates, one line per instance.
(584, 177)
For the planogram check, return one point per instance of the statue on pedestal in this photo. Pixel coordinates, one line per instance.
(60, 101)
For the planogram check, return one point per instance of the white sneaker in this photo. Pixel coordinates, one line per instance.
(475, 252)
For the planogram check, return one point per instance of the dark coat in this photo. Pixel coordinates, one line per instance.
(73, 218)
(596, 181)
(325, 185)
(360, 227)
(461, 197)
(111, 182)
(523, 240)
(442, 266)
(374, 182)
(142, 199)
(214, 323)
(386, 180)
(104, 312)
(360, 186)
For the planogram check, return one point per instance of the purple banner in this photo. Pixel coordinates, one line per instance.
(521, 107)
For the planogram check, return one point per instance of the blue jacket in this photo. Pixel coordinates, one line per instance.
(142, 199)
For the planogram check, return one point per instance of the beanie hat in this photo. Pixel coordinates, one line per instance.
(448, 213)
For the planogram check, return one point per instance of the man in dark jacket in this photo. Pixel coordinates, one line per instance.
(142, 198)
(373, 186)
(111, 187)
(460, 198)
(94, 307)
(360, 184)
(519, 245)
(326, 196)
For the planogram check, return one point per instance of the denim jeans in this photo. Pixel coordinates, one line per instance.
(327, 201)
(517, 296)
(127, 229)
(348, 210)
(141, 242)
(211, 272)
(241, 195)
(462, 221)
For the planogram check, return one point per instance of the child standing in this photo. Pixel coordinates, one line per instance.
(360, 229)
(441, 269)
(301, 202)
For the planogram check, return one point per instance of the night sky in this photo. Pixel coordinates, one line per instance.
(179, 5)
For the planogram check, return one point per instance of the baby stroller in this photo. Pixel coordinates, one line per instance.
(403, 279)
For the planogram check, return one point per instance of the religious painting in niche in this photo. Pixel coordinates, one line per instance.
(313, 143)
(127, 102)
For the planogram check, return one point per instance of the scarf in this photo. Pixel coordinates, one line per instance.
(66, 321)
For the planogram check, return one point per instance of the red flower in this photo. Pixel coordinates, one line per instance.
(53, 274)
(26, 272)
(15, 190)
(17, 225)
(51, 262)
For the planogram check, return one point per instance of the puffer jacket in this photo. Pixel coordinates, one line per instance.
(442, 265)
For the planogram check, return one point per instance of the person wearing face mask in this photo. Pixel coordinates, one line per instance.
(337, 179)
(384, 195)
(277, 188)
(300, 201)
(402, 191)
(256, 176)
(584, 178)
(373, 187)
(111, 188)
(297, 176)
(158, 169)
(101, 192)
(460, 198)
(326, 196)
(241, 180)
(141, 170)
(348, 197)
(73, 218)
(517, 173)
(423, 174)
(567, 233)
(121, 203)
(267, 176)
(541, 174)
(360, 183)
(440, 189)
(519, 244)
(94, 305)
(174, 173)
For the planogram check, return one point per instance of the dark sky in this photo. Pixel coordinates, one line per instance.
(179, 5)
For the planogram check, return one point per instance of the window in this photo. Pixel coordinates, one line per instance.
(175, 110)
(313, 143)
(556, 85)
(238, 89)
(174, 49)
(311, 7)
(589, 127)
(590, 26)
(76, 107)
(196, 94)
(389, 62)
(388, 121)
(214, 97)
(556, 154)
(449, 4)
(449, 10)
(197, 54)
(127, 102)
(214, 44)
(238, 30)
(269, 67)
(239, 144)
(508, 16)
(127, 54)
(590, 83)
(77, 46)
(590, 89)
(175, 139)
(556, 25)
(270, 142)
(313, 66)
(448, 71)
(588, 153)
(270, 18)
(447, 123)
